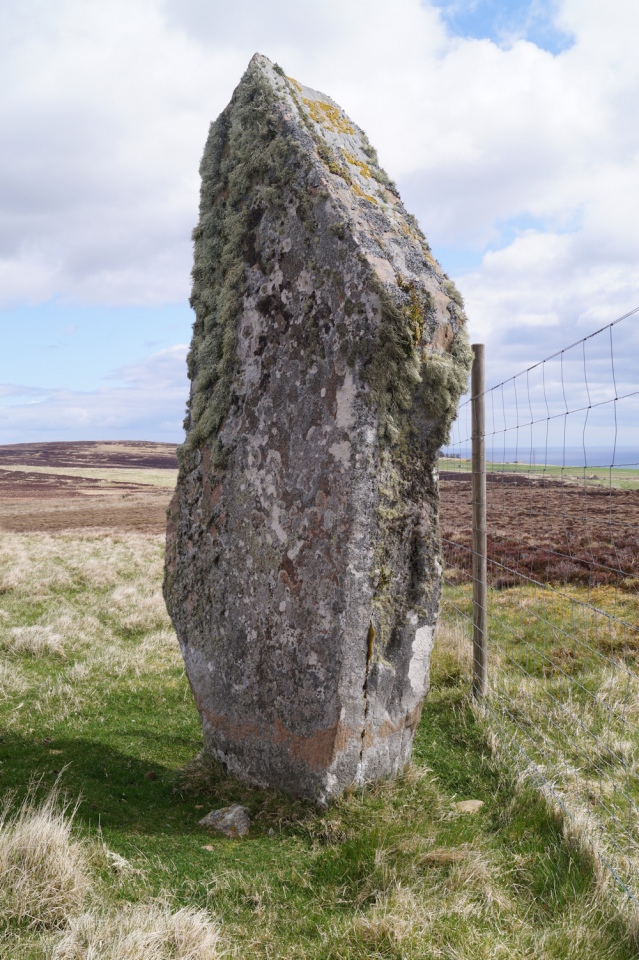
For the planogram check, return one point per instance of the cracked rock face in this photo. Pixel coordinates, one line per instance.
(328, 355)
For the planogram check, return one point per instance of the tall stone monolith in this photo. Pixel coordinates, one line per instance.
(328, 355)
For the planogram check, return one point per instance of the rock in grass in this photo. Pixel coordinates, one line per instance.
(328, 355)
(232, 821)
(468, 806)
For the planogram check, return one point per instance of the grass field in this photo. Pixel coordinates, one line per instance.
(162, 477)
(619, 478)
(94, 699)
(564, 678)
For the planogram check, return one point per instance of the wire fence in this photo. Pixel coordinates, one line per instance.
(562, 581)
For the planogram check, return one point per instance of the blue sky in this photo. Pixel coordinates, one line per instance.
(505, 21)
(508, 126)
(76, 347)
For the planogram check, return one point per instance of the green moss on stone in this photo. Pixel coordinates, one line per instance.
(394, 368)
(410, 385)
(246, 163)
(398, 375)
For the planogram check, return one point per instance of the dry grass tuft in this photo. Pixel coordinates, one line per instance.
(44, 873)
(461, 886)
(441, 857)
(149, 930)
(396, 918)
(452, 658)
(11, 680)
(37, 641)
(140, 608)
(59, 695)
(630, 913)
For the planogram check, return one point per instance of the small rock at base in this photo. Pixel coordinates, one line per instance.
(468, 806)
(232, 821)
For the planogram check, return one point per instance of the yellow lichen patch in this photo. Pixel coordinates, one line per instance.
(328, 116)
(295, 83)
(415, 315)
(370, 641)
(360, 193)
(413, 310)
(363, 168)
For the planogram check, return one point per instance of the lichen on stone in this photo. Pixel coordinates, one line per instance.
(328, 355)
(362, 167)
(365, 196)
(328, 115)
(246, 165)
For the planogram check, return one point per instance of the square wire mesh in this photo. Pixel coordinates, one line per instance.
(562, 482)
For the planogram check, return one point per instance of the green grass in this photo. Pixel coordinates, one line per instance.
(564, 678)
(390, 871)
(606, 477)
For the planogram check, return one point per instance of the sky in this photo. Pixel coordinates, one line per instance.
(510, 127)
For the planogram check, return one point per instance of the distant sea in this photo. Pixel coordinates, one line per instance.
(601, 457)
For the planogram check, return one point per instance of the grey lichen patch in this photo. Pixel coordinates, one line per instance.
(329, 352)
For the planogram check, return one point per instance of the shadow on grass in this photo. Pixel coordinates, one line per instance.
(405, 831)
(122, 792)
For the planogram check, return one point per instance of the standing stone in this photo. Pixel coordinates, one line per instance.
(329, 352)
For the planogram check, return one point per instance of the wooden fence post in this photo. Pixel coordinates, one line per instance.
(480, 573)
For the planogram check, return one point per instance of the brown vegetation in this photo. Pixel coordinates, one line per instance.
(34, 500)
(548, 530)
(91, 453)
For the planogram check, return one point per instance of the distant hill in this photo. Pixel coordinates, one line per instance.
(90, 453)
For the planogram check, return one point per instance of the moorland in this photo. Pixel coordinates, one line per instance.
(101, 852)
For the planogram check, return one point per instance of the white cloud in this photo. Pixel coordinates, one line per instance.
(104, 115)
(529, 159)
(145, 402)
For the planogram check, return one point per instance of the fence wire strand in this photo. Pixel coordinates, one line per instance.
(562, 607)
